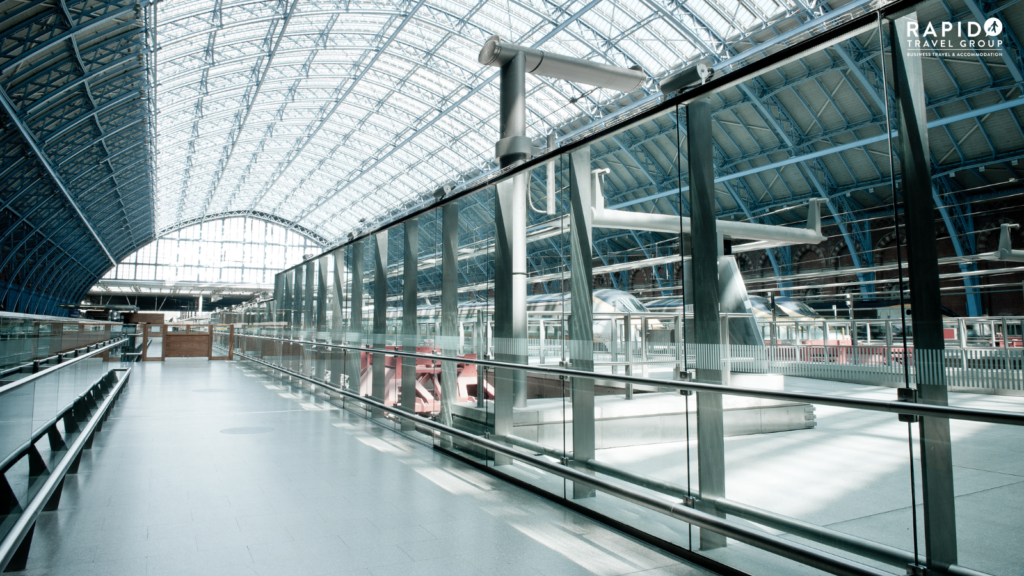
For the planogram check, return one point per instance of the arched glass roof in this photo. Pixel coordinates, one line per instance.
(323, 113)
(126, 120)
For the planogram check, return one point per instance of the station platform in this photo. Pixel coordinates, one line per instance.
(212, 468)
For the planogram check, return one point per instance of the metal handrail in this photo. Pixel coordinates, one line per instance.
(45, 360)
(26, 521)
(895, 407)
(768, 542)
(42, 373)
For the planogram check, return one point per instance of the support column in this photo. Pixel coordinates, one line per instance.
(707, 326)
(410, 329)
(380, 308)
(294, 360)
(320, 324)
(337, 316)
(581, 319)
(308, 319)
(449, 306)
(283, 316)
(355, 328)
(922, 258)
(510, 250)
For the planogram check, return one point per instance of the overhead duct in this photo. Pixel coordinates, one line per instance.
(497, 53)
(1006, 252)
(669, 224)
(699, 73)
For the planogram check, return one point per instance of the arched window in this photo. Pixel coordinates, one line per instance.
(231, 251)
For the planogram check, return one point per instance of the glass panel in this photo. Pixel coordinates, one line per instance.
(814, 225)
(473, 410)
(966, 323)
(155, 341)
(428, 314)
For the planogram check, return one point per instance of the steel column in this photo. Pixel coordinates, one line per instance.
(410, 328)
(337, 316)
(449, 336)
(320, 326)
(380, 308)
(704, 246)
(510, 250)
(925, 299)
(581, 318)
(355, 329)
(308, 329)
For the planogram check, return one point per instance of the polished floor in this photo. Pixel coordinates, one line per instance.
(214, 468)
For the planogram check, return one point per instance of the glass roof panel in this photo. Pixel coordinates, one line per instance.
(323, 112)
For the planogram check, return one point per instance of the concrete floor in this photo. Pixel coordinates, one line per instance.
(215, 468)
(851, 473)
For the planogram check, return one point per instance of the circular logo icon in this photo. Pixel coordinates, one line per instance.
(993, 26)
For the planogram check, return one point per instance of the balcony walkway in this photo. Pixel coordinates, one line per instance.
(214, 468)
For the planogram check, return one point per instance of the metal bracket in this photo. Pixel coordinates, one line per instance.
(565, 461)
(513, 145)
(689, 502)
(916, 570)
(907, 395)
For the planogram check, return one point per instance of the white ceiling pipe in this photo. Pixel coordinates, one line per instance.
(1006, 252)
(497, 52)
(668, 224)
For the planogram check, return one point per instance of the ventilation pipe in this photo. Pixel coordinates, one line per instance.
(497, 53)
(1006, 253)
(768, 235)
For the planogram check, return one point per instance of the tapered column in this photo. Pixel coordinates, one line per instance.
(581, 318)
(320, 315)
(922, 258)
(355, 328)
(294, 355)
(276, 306)
(308, 306)
(410, 328)
(449, 306)
(308, 317)
(338, 305)
(510, 249)
(707, 327)
(285, 317)
(380, 308)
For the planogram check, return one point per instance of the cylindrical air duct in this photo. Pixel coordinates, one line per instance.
(497, 52)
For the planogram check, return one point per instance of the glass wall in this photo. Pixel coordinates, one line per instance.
(715, 305)
(229, 250)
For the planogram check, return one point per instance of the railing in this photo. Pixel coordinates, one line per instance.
(26, 338)
(289, 356)
(185, 341)
(66, 404)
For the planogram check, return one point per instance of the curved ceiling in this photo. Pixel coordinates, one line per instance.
(327, 113)
(125, 119)
(75, 187)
